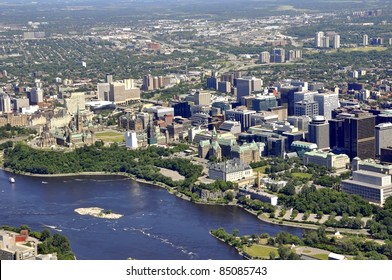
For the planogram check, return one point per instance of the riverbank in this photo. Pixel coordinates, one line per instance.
(279, 222)
(187, 198)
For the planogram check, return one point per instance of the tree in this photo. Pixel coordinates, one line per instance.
(272, 255)
(229, 196)
(289, 189)
(284, 252)
(294, 214)
(388, 203)
(45, 234)
(24, 227)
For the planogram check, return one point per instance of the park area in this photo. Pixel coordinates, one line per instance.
(110, 136)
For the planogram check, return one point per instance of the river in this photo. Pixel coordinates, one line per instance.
(156, 225)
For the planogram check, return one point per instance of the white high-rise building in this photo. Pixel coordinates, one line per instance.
(325, 42)
(202, 97)
(336, 41)
(102, 90)
(318, 39)
(328, 102)
(365, 40)
(131, 140)
(5, 103)
(383, 136)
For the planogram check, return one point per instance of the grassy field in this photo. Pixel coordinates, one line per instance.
(320, 256)
(289, 8)
(260, 251)
(110, 136)
(361, 49)
(261, 169)
(301, 175)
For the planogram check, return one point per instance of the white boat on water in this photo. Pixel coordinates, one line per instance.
(12, 180)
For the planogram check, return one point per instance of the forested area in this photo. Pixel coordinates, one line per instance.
(141, 163)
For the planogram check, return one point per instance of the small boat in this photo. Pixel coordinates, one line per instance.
(44, 182)
(12, 180)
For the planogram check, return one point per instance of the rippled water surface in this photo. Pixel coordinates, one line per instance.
(155, 225)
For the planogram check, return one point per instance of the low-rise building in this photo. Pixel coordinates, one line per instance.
(233, 170)
(248, 152)
(233, 127)
(302, 147)
(371, 165)
(20, 246)
(372, 186)
(328, 160)
(259, 194)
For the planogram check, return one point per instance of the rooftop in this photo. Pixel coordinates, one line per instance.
(323, 154)
(230, 166)
(304, 144)
(372, 174)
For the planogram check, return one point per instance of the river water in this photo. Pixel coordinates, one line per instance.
(156, 225)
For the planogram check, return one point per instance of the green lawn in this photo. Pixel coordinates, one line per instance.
(260, 251)
(320, 256)
(360, 49)
(109, 136)
(301, 175)
(261, 169)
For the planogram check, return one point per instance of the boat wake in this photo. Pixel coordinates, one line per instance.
(53, 227)
(166, 241)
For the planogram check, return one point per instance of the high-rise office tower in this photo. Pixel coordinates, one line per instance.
(148, 83)
(359, 139)
(319, 132)
(304, 95)
(277, 55)
(212, 83)
(328, 101)
(202, 98)
(383, 137)
(336, 134)
(247, 85)
(36, 96)
(365, 40)
(306, 108)
(241, 115)
(336, 41)
(263, 103)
